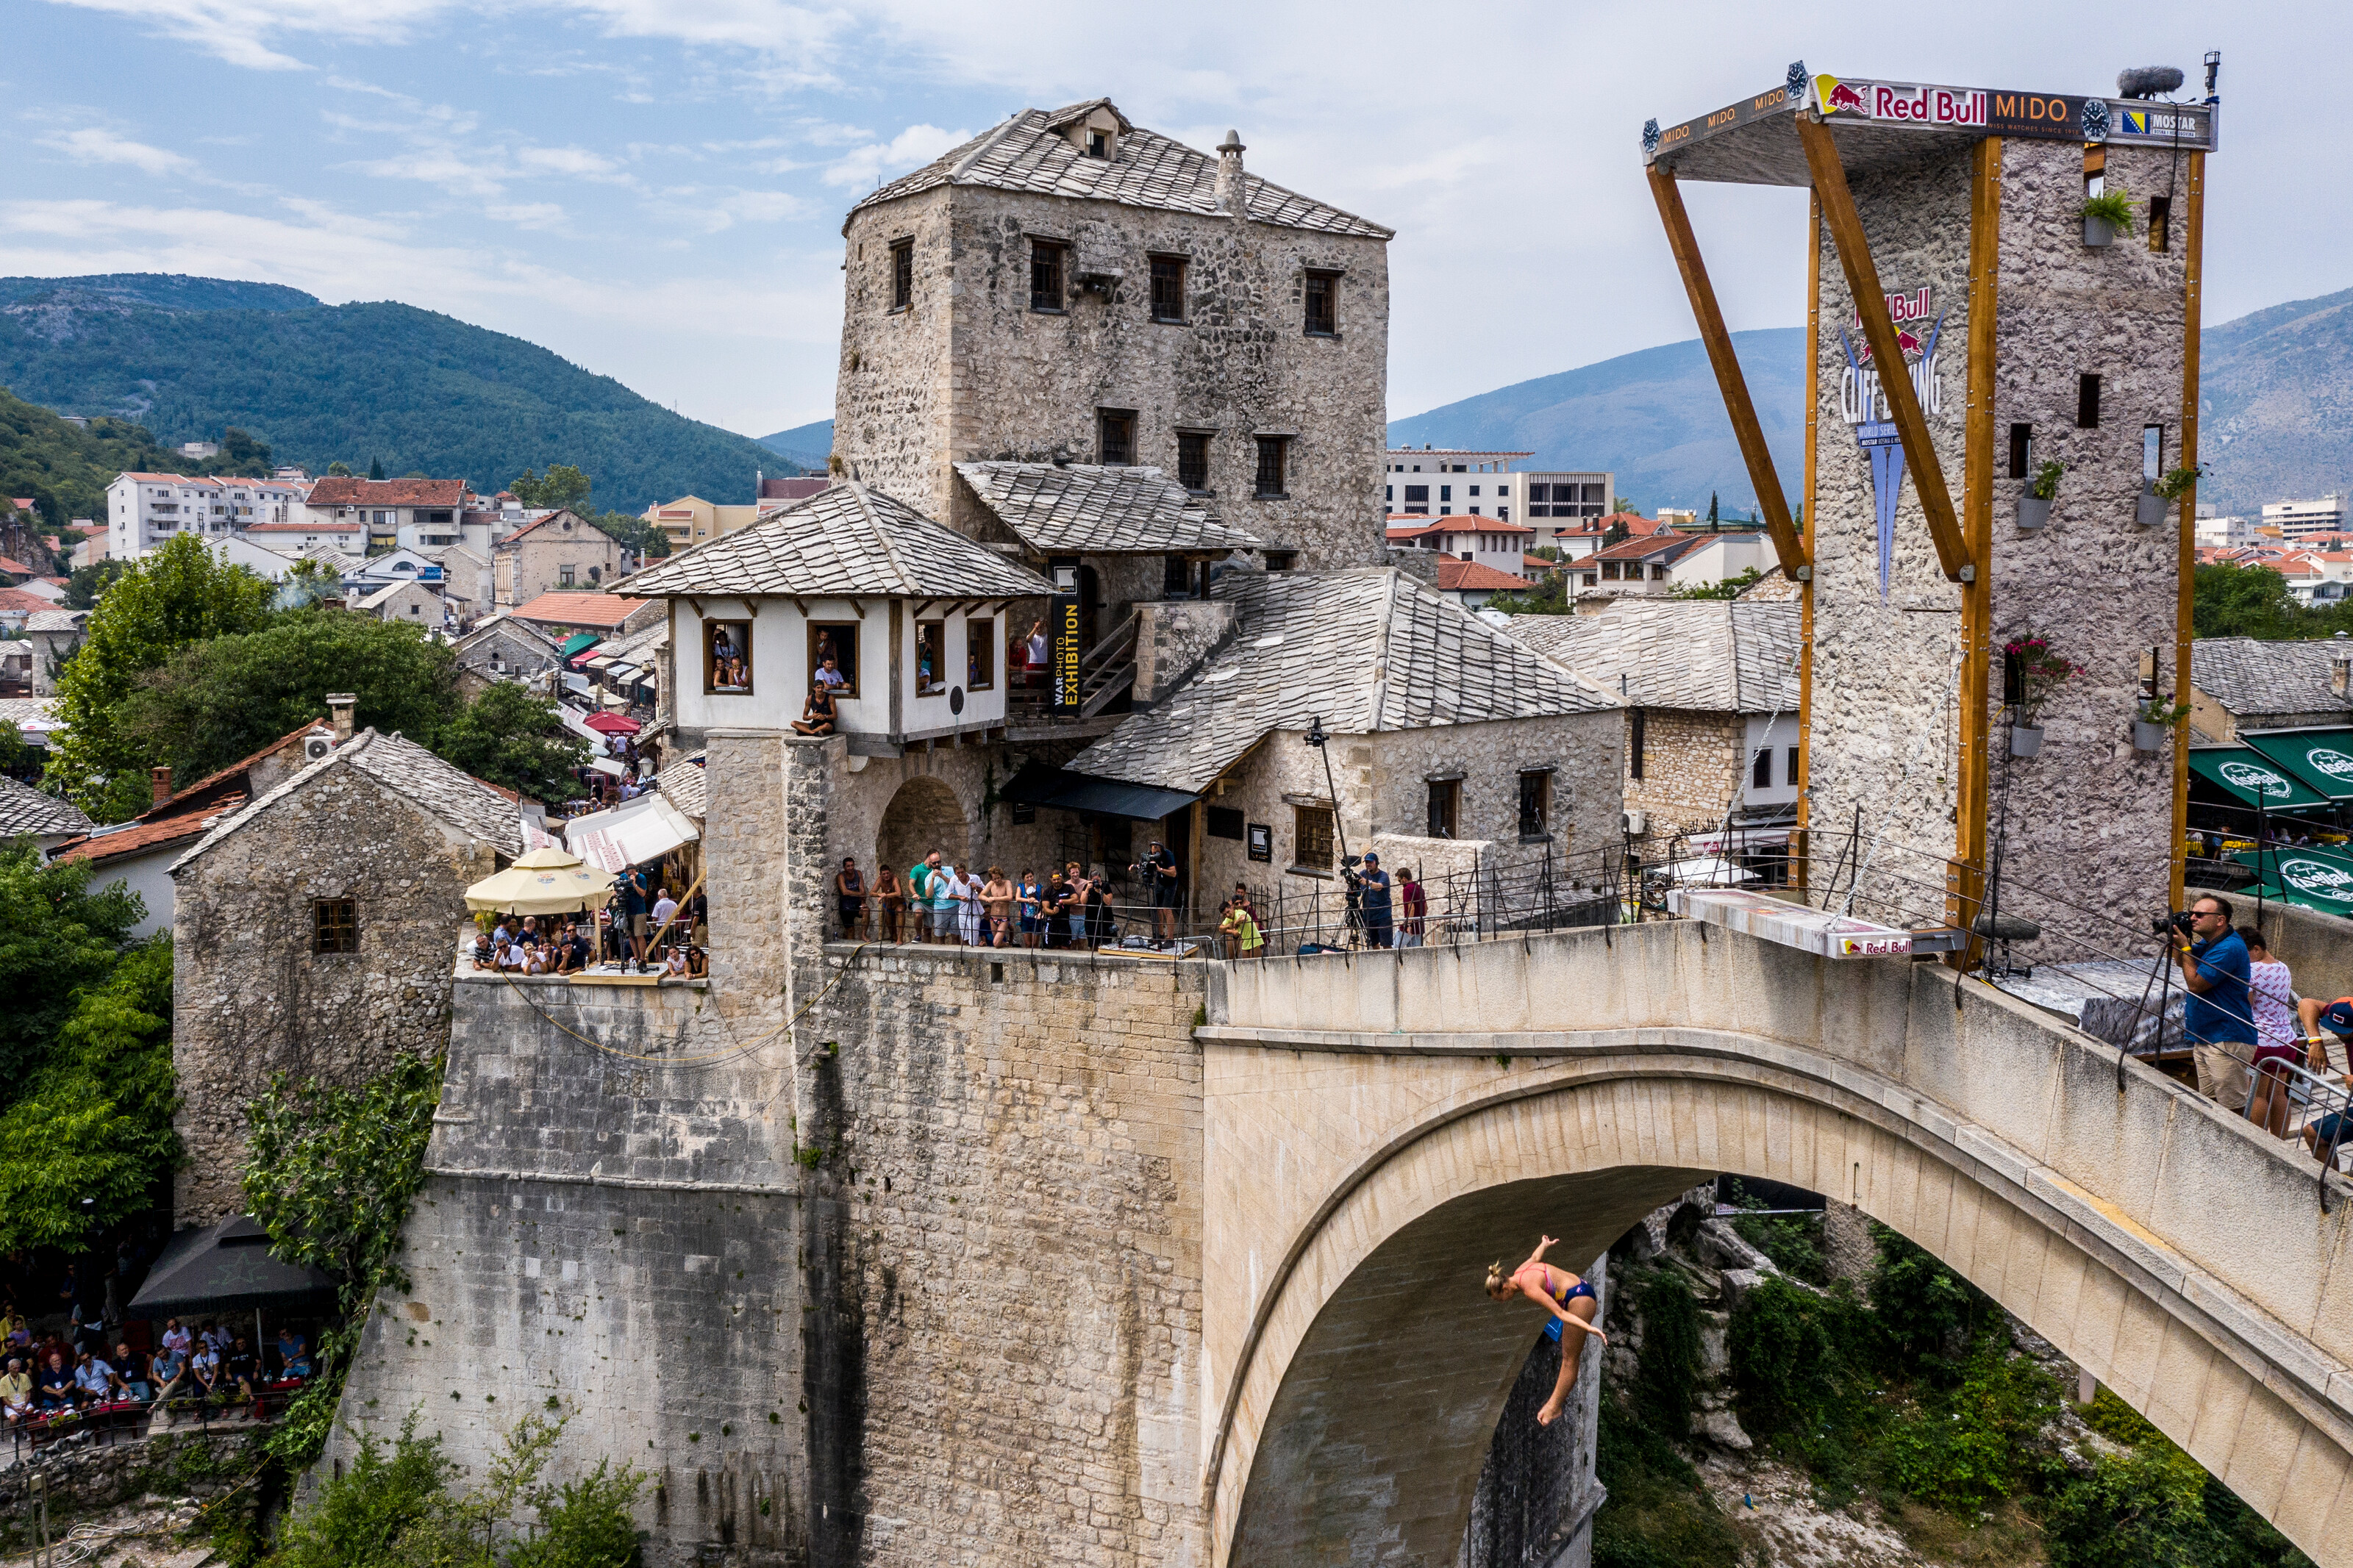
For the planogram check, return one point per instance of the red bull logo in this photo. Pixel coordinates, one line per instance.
(1915, 305)
(1836, 95)
(1900, 101)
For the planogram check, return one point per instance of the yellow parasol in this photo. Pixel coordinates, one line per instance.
(544, 882)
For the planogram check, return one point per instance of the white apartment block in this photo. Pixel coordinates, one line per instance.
(1447, 482)
(2219, 532)
(145, 510)
(2306, 519)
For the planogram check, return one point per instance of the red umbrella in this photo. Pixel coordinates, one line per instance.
(611, 723)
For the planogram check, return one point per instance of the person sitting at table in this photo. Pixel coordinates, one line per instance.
(176, 1336)
(54, 1388)
(293, 1354)
(817, 713)
(571, 953)
(171, 1371)
(240, 1369)
(204, 1370)
(94, 1378)
(131, 1374)
(16, 1392)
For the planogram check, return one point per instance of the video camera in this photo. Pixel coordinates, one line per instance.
(1349, 872)
(2172, 921)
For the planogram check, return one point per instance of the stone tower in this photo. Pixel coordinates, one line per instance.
(2027, 336)
(1070, 285)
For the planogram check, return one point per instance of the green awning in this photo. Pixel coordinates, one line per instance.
(2306, 880)
(2322, 759)
(577, 641)
(2252, 779)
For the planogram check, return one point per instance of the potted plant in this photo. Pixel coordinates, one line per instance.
(2041, 671)
(2034, 506)
(2162, 495)
(2154, 720)
(2107, 215)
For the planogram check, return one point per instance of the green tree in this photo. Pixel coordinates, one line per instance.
(565, 486)
(215, 702)
(94, 1122)
(57, 936)
(83, 588)
(375, 468)
(177, 595)
(507, 737)
(2247, 601)
(339, 469)
(1730, 587)
(241, 454)
(329, 1173)
(12, 747)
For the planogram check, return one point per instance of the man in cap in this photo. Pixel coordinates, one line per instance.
(1160, 868)
(1380, 926)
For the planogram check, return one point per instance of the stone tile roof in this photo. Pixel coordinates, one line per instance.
(560, 608)
(56, 620)
(1707, 655)
(1364, 651)
(1028, 152)
(2253, 679)
(24, 809)
(686, 784)
(1078, 509)
(337, 490)
(846, 541)
(407, 771)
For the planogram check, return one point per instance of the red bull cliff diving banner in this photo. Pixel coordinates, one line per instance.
(1863, 403)
(1922, 106)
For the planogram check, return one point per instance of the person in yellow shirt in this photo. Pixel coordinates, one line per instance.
(16, 1392)
(1240, 931)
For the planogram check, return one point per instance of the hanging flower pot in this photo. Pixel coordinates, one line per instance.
(2025, 739)
(2148, 737)
(2099, 233)
(2150, 509)
(2034, 511)
(2107, 215)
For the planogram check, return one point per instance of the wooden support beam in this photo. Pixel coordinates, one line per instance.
(2193, 247)
(1879, 331)
(1966, 876)
(1810, 536)
(1734, 386)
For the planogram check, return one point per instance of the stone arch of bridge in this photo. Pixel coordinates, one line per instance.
(1366, 1387)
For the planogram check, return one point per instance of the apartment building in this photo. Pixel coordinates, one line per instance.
(385, 507)
(142, 509)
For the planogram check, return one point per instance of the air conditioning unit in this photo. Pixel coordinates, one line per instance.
(1638, 822)
(316, 746)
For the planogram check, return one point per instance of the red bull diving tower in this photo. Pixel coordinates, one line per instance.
(1973, 317)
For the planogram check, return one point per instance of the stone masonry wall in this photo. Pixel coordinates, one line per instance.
(250, 998)
(1691, 766)
(971, 372)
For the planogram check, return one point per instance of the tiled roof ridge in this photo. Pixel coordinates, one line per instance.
(881, 535)
(980, 145)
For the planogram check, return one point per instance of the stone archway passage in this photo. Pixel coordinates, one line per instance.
(924, 816)
(1361, 1177)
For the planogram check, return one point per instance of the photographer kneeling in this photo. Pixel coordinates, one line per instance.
(2215, 1014)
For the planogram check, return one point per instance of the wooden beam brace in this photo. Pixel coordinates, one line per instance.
(1737, 402)
(1879, 331)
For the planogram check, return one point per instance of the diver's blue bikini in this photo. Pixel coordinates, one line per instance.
(1582, 1288)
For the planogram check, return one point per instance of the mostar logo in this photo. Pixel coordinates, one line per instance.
(2262, 781)
(2319, 877)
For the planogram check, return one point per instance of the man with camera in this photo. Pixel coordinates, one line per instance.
(1373, 885)
(2216, 1013)
(1158, 868)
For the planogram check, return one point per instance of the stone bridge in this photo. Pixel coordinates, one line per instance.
(1008, 1258)
(1377, 1129)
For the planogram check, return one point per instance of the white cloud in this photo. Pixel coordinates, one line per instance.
(577, 161)
(527, 214)
(90, 145)
(861, 168)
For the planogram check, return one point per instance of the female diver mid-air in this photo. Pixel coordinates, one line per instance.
(1568, 1299)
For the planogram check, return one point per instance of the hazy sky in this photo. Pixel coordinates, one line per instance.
(655, 190)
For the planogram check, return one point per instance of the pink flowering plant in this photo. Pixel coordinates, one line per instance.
(2041, 671)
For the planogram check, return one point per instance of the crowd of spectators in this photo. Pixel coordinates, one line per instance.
(644, 930)
(954, 904)
(2249, 1029)
(77, 1372)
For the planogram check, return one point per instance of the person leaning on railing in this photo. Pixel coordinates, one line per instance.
(2324, 1135)
(1240, 931)
(2214, 1015)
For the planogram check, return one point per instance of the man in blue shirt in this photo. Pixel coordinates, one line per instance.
(1379, 923)
(2216, 1014)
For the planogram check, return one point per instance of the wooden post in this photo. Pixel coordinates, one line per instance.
(2193, 245)
(1734, 386)
(1965, 880)
(1879, 331)
(1802, 838)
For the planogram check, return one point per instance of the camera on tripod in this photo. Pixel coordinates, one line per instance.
(2179, 921)
(1349, 872)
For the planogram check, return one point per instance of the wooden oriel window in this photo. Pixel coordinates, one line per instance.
(837, 641)
(903, 274)
(930, 657)
(727, 657)
(1322, 314)
(1115, 436)
(1168, 289)
(1046, 260)
(980, 653)
(1310, 837)
(1192, 459)
(1445, 807)
(335, 925)
(1274, 460)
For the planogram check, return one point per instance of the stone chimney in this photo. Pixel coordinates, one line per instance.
(160, 780)
(1231, 200)
(340, 703)
(2340, 669)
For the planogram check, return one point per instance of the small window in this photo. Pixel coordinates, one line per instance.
(2160, 222)
(1273, 454)
(1634, 728)
(1168, 289)
(1445, 807)
(1446, 492)
(1175, 576)
(930, 657)
(1310, 837)
(1046, 274)
(335, 925)
(980, 653)
(2152, 452)
(1474, 489)
(1536, 802)
(1282, 560)
(563, 576)
(902, 275)
(833, 655)
(1098, 144)
(1323, 294)
(1115, 436)
(2022, 451)
(1416, 495)
(1760, 775)
(1193, 460)
(2088, 403)
(1790, 778)
(727, 657)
